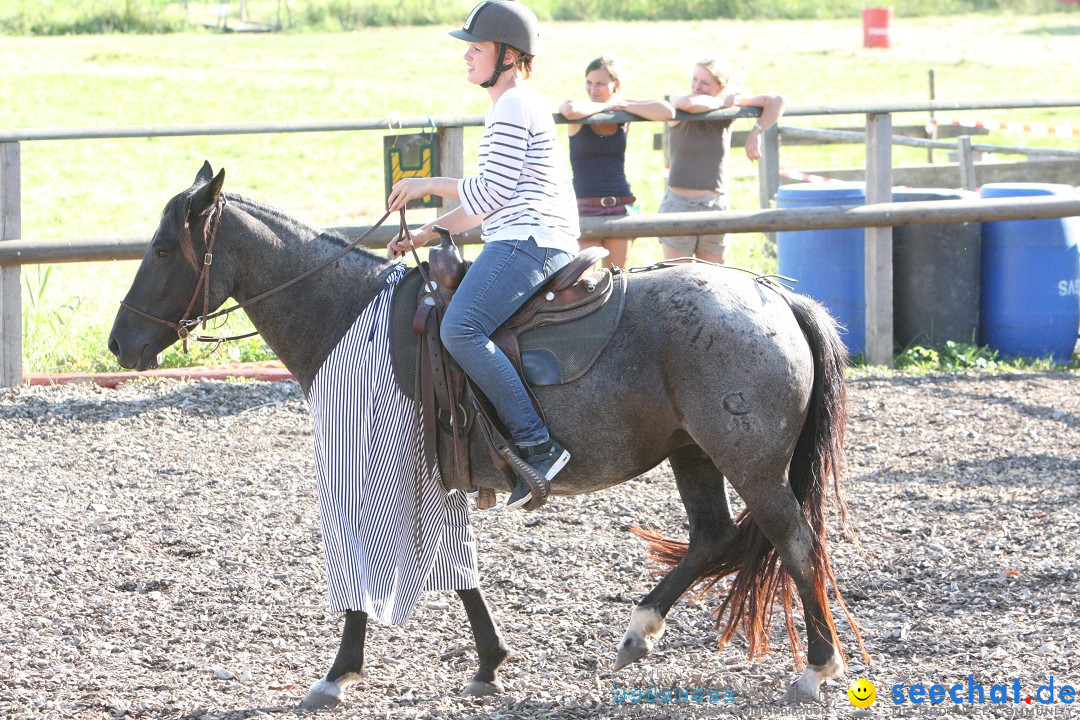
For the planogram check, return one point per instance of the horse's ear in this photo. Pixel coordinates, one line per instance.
(205, 197)
(205, 173)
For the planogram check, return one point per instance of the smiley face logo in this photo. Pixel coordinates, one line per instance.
(862, 693)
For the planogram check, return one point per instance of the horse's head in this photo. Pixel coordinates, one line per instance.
(165, 290)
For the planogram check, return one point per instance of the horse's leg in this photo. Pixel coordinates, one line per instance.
(348, 666)
(712, 529)
(489, 645)
(779, 516)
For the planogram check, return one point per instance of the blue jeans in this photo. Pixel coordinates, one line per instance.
(502, 278)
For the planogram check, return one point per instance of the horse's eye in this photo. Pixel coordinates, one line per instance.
(162, 254)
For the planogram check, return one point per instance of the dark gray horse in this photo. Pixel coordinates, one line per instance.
(726, 378)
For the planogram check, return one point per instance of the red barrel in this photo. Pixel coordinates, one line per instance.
(876, 24)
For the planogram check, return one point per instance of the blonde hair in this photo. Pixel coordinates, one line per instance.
(719, 68)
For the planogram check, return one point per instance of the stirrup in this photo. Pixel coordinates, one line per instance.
(538, 485)
(512, 502)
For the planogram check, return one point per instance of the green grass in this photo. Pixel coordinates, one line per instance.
(957, 358)
(117, 188)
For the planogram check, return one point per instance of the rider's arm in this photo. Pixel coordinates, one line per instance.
(456, 221)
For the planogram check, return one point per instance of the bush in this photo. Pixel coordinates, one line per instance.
(88, 17)
(60, 17)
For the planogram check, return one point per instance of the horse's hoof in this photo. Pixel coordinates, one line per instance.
(808, 687)
(323, 695)
(631, 652)
(646, 627)
(797, 695)
(478, 688)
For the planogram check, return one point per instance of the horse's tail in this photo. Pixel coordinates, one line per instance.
(818, 455)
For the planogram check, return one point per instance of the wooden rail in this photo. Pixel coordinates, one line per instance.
(889, 214)
(878, 216)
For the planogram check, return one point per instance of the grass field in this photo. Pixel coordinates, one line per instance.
(117, 188)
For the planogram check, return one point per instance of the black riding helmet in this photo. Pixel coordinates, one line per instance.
(506, 22)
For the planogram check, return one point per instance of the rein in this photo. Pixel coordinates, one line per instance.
(184, 326)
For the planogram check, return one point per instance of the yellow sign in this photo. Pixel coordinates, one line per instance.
(411, 156)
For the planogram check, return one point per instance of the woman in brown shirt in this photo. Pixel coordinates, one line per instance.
(697, 181)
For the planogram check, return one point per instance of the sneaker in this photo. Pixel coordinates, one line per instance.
(547, 460)
(521, 495)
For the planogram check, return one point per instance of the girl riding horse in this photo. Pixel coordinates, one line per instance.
(525, 200)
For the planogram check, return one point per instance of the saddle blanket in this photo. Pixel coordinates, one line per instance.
(380, 553)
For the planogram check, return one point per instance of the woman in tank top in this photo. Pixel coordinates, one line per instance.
(598, 151)
(698, 179)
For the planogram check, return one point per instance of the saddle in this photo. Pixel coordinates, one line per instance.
(554, 338)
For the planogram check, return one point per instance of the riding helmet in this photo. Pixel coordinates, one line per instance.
(502, 21)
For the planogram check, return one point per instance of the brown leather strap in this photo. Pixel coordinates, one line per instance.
(306, 274)
(429, 414)
(608, 201)
(567, 275)
(184, 325)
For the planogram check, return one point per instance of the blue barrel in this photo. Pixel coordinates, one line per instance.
(1030, 279)
(828, 264)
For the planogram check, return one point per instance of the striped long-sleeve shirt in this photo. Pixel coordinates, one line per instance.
(523, 188)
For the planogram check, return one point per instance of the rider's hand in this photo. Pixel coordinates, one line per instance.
(406, 190)
(400, 245)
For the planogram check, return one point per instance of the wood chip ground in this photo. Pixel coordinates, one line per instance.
(161, 560)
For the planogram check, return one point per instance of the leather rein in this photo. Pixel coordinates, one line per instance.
(184, 326)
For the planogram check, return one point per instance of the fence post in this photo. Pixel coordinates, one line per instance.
(451, 159)
(769, 171)
(966, 160)
(769, 166)
(10, 276)
(878, 243)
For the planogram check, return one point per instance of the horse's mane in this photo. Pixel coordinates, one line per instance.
(178, 209)
(176, 213)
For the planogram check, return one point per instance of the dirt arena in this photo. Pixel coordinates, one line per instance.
(161, 560)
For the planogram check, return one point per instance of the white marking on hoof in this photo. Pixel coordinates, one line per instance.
(646, 627)
(482, 689)
(327, 694)
(808, 687)
(323, 695)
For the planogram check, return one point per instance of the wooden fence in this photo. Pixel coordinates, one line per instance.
(878, 216)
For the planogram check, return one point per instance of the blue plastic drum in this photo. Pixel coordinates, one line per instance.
(828, 264)
(1030, 279)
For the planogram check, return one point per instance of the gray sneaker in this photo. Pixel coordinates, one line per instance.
(546, 463)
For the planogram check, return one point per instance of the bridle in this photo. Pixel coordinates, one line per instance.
(184, 326)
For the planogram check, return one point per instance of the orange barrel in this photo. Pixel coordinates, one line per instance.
(876, 24)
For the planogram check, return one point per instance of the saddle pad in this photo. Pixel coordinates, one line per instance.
(404, 342)
(550, 354)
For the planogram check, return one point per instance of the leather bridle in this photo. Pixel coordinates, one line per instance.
(184, 326)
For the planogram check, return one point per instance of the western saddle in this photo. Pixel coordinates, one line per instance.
(449, 404)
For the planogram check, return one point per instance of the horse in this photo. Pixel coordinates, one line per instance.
(732, 380)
